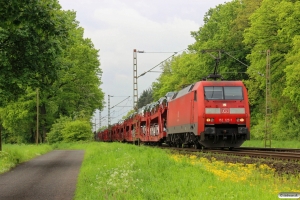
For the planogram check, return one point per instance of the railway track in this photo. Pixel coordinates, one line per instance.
(282, 155)
(267, 153)
(268, 149)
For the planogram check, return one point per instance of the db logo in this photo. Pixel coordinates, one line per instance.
(224, 110)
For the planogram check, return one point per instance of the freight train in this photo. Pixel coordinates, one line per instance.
(206, 114)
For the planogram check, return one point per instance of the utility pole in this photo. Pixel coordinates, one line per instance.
(100, 118)
(108, 125)
(268, 131)
(0, 137)
(109, 130)
(135, 86)
(37, 116)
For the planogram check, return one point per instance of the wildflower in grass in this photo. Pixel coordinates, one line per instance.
(118, 180)
(236, 172)
(252, 174)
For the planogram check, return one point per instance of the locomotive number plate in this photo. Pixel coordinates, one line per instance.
(225, 120)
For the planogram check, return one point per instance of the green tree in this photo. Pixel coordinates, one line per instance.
(18, 119)
(274, 26)
(293, 73)
(75, 92)
(223, 30)
(31, 32)
(145, 98)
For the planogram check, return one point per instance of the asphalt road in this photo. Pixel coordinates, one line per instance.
(50, 176)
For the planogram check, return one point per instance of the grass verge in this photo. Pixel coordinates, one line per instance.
(275, 144)
(12, 155)
(123, 171)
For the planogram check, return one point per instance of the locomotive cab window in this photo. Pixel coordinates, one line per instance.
(233, 93)
(213, 92)
(219, 93)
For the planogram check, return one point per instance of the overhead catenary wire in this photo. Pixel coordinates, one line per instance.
(122, 108)
(174, 53)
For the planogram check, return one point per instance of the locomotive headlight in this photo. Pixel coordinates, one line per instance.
(240, 119)
(209, 119)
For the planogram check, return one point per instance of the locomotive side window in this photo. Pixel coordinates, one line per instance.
(233, 93)
(213, 92)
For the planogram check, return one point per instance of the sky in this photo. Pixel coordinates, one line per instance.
(117, 27)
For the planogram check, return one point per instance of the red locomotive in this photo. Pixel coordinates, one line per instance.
(204, 114)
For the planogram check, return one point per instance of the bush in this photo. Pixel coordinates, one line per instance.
(77, 131)
(258, 131)
(55, 135)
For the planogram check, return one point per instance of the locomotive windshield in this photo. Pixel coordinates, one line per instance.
(221, 93)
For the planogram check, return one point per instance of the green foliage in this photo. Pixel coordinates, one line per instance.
(258, 131)
(128, 114)
(31, 32)
(67, 130)
(43, 46)
(274, 26)
(286, 126)
(222, 31)
(293, 73)
(101, 128)
(18, 119)
(244, 31)
(145, 98)
(78, 85)
(77, 131)
(55, 135)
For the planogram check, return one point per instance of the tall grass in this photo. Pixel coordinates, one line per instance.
(123, 171)
(12, 155)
